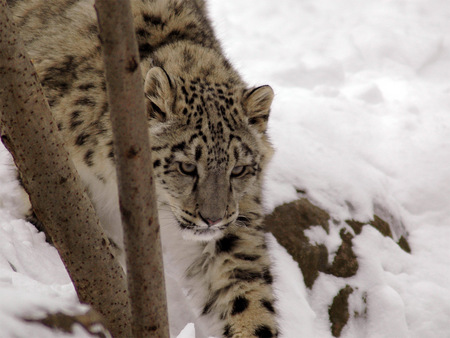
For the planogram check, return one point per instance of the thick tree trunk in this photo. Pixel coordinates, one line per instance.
(134, 172)
(30, 134)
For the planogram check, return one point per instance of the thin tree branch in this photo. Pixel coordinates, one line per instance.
(29, 132)
(133, 158)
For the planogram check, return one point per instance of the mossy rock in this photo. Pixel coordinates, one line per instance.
(92, 322)
(288, 223)
(338, 311)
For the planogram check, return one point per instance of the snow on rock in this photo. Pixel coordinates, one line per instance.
(361, 126)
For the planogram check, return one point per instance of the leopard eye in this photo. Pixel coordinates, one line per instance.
(187, 168)
(238, 171)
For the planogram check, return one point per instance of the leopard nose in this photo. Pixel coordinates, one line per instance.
(209, 221)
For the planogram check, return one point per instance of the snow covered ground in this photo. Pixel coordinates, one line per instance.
(361, 122)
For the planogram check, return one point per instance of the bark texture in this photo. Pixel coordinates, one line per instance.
(134, 172)
(29, 132)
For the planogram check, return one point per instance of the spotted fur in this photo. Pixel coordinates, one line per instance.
(208, 137)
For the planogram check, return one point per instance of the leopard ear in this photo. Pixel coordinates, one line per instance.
(257, 103)
(160, 92)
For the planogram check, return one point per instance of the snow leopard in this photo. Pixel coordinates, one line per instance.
(209, 144)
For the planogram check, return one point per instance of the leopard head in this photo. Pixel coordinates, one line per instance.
(209, 148)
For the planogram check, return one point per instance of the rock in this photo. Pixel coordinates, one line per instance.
(92, 322)
(403, 243)
(345, 263)
(288, 223)
(383, 227)
(338, 311)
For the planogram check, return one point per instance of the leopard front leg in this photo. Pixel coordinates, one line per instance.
(239, 281)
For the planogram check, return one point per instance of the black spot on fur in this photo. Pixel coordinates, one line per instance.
(178, 147)
(268, 305)
(188, 58)
(198, 153)
(211, 300)
(156, 163)
(86, 86)
(207, 307)
(246, 275)
(88, 158)
(226, 64)
(61, 85)
(144, 50)
(176, 35)
(61, 76)
(227, 331)
(263, 331)
(81, 139)
(226, 243)
(245, 257)
(246, 149)
(236, 154)
(240, 304)
(85, 101)
(160, 148)
(168, 160)
(75, 124)
(153, 20)
(193, 137)
(142, 33)
(267, 276)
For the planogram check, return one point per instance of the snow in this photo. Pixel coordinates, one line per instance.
(360, 124)
(188, 331)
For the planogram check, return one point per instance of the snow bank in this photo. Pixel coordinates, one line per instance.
(33, 280)
(360, 124)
